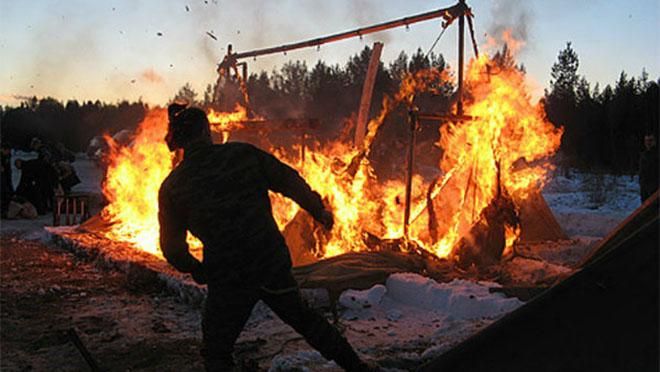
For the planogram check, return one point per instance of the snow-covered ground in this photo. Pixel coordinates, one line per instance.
(410, 318)
(591, 204)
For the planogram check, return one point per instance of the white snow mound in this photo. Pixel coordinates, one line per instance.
(356, 300)
(460, 299)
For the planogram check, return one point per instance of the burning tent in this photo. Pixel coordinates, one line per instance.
(484, 201)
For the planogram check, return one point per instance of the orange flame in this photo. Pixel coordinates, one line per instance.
(132, 182)
(135, 173)
(506, 129)
(224, 123)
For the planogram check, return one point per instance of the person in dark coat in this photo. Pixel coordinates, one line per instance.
(44, 152)
(220, 194)
(37, 183)
(648, 168)
(6, 185)
(61, 153)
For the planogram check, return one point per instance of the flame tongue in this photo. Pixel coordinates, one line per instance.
(135, 173)
(132, 182)
(507, 129)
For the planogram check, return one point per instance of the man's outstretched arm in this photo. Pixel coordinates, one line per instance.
(286, 180)
(173, 237)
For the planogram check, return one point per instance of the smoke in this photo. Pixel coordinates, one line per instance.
(13, 99)
(203, 18)
(275, 23)
(512, 17)
(56, 59)
(365, 13)
(152, 76)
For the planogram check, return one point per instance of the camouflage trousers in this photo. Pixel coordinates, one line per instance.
(227, 310)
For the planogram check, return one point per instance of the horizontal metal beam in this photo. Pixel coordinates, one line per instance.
(449, 14)
(446, 117)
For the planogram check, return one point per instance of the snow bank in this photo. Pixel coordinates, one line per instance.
(460, 299)
(356, 300)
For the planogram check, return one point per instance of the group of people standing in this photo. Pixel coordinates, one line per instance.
(50, 174)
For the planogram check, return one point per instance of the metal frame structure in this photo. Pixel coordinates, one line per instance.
(458, 11)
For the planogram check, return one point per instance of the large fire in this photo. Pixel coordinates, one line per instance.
(506, 132)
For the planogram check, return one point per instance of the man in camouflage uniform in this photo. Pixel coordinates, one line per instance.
(220, 194)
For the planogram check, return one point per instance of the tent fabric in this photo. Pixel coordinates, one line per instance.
(364, 269)
(603, 318)
(537, 223)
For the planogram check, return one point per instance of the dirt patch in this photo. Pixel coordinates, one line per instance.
(45, 291)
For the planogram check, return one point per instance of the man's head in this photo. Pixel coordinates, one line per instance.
(18, 163)
(186, 125)
(35, 143)
(649, 141)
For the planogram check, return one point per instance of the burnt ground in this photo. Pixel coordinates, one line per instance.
(129, 324)
(45, 291)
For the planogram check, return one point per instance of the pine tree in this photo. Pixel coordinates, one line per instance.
(564, 74)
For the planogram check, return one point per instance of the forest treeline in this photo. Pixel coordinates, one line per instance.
(604, 126)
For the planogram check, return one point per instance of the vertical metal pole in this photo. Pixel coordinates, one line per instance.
(245, 92)
(461, 41)
(412, 121)
(303, 145)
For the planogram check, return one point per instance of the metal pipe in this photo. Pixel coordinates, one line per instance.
(413, 121)
(461, 41)
(445, 117)
(447, 13)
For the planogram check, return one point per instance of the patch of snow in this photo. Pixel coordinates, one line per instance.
(356, 300)
(460, 299)
(296, 361)
(24, 225)
(38, 235)
(591, 204)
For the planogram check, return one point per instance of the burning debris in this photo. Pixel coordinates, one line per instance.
(494, 161)
(474, 204)
(210, 34)
(484, 244)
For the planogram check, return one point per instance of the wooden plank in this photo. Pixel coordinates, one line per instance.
(367, 93)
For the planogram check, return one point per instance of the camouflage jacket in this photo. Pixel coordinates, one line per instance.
(220, 194)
